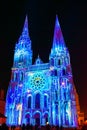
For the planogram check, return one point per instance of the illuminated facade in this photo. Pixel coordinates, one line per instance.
(42, 92)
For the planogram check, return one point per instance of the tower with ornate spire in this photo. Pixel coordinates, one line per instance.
(23, 52)
(41, 92)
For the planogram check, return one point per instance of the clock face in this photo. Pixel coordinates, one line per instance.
(38, 81)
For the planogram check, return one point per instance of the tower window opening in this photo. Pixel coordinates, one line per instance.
(67, 60)
(21, 76)
(59, 63)
(55, 72)
(64, 95)
(64, 72)
(52, 61)
(21, 58)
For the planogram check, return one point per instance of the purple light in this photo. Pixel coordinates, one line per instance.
(40, 93)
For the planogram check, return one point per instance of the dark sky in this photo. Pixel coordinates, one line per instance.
(73, 20)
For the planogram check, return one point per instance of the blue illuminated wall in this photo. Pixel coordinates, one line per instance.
(42, 92)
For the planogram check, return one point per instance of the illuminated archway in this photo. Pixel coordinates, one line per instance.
(27, 117)
(37, 118)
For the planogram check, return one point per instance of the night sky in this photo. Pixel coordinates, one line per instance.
(73, 21)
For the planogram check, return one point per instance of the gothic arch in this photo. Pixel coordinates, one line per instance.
(37, 117)
(36, 112)
(46, 116)
(28, 114)
(27, 117)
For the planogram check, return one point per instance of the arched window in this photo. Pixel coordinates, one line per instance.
(29, 102)
(21, 58)
(67, 60)
(64, 72)
(37, 101)
(55, 72)
(59, 62)
(21, 76)
(45, 101)
(27, 117)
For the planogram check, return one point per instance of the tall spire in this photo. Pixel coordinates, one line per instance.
(23, 47)
(58, 40)
(25, 28)
(26, 22)
(25, 33)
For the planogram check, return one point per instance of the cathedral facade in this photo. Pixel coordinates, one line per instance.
(41, 93)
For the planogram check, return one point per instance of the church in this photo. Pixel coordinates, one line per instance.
(41, 93)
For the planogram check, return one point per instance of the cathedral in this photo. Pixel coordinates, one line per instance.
(41, 93)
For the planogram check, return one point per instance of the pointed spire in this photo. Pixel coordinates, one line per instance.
(25, 33)
(25, 28)
(26, 22)
(58, 40)
(24, 42)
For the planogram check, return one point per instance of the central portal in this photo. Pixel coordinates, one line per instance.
(37, 121)
(37, 118)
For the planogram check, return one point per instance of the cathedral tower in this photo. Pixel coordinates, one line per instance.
(23, 52)
(42, 92)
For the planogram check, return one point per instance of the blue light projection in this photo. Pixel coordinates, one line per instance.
(43, 92)
(38, 81)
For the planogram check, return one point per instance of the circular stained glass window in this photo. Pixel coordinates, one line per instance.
(38, 81)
